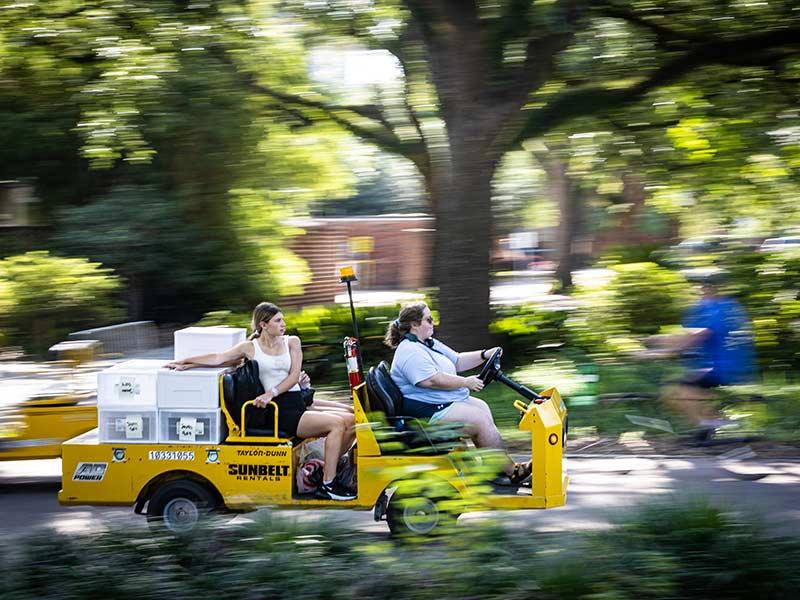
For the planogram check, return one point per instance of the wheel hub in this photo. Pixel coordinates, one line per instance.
(421, 515)
(180, 515)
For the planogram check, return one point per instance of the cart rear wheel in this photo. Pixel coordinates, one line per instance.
(178, 506)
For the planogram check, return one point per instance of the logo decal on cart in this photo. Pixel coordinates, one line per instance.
(90, 471)
(212, 456)
(118, 454)
(262, 452)
(244, 472)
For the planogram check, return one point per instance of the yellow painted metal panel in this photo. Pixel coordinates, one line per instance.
(44, 426)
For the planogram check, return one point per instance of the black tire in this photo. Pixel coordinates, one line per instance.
(179, 506)
(417, 516)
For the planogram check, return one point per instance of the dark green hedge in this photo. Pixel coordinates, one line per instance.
(671, 550)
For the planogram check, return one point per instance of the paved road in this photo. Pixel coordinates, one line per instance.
(600, 489)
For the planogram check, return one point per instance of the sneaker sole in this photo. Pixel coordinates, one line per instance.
(342, 498)
(330, 496)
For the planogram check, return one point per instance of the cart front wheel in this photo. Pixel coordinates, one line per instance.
(418, 515)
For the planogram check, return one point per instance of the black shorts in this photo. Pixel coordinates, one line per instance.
(290, 408)
(704, 378)
(422, 410)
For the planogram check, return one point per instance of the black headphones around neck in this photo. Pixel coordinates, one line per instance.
(413, 338)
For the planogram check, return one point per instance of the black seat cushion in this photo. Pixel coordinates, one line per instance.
(383, 394)
(239, 387)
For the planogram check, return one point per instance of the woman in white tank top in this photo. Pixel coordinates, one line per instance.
(279, 358)
(273, 369)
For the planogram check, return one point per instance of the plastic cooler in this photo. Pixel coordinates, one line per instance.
(130, 383)
(131, 425)
(195, 341)
(194, 388)
(190, 426)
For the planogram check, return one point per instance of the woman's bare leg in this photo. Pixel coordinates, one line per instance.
(480, 426)
(349, 421)
(332, 426)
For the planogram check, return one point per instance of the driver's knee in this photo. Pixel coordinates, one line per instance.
(464, 412)
(480, 404)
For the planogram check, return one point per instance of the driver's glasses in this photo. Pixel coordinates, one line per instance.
(428, 319)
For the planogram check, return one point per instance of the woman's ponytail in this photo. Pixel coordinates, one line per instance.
(393, 335)
(397, 329)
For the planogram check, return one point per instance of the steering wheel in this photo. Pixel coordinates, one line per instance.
(491, 368)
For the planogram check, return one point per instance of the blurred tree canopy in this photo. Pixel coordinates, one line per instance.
(44, 297)
(153, 156)
(199, 99)
(481, 78)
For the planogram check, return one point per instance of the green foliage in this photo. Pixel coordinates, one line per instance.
(138, 119)
(265, 263)
(181, 274)
(773, 301)
(525, 328)
(567, 375)
(44, 297)
(639, 253)
(717, 554)
(639, 299)
(671, 549)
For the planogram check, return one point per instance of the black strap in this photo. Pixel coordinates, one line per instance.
(427, 343)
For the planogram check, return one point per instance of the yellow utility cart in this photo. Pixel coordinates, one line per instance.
(405, 474)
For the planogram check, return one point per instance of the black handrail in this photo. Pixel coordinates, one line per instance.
(518, 387)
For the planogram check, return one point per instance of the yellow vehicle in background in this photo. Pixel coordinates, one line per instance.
(404, 475)
(37, 427)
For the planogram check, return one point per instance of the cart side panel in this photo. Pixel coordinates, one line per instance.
(250, 475)
(244, 475)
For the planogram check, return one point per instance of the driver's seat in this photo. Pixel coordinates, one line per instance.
(383, 394)
(404, 434)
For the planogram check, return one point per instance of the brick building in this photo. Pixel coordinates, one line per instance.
(389, 252)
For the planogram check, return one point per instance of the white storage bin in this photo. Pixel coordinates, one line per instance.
(190, 426)
(190, 389)
(194, 341)
(130, 425)
(130, 383)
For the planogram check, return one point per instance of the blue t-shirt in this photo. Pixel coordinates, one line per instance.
(414, 362)
(728, 351)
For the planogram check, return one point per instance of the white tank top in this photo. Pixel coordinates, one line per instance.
(273, 369)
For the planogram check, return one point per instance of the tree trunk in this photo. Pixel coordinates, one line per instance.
(462, 185)
(634, 195)
(567, 196)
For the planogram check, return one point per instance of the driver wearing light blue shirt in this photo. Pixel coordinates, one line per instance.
(426, 371)
(415, 362)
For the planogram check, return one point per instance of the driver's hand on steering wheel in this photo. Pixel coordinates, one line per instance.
(474, 383)
(490, 352)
